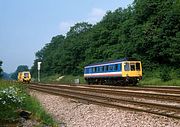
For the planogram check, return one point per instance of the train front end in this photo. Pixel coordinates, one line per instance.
(132, 71)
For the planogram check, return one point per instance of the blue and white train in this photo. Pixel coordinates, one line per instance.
(122, 71)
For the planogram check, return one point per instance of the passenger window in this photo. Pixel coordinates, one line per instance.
(106, 68)
(102, 68)
(110, 68)
(132, 67)
(120, 67)
(138, 66)
(116, 67)
(94, 69)
(98, 69)
(126, 66)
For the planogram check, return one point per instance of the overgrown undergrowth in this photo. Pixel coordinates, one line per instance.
(14, 97)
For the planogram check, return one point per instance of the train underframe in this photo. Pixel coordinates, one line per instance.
(113, 80)
(26, 81)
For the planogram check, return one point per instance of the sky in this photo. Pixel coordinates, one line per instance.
(27, 25)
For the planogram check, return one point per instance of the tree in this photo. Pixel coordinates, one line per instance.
(79, 28)
(1, 69)
(148, 30)
(20, 68)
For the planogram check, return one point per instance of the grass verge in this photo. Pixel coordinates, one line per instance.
(67, 79)
(13, 97)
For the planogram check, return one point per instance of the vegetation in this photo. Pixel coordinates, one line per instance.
(13, 97)
(1, 69)
(68, 79)
(159, 76)
(147, 30)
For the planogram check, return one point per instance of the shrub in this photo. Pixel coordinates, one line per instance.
(165, 74)
(11, 99)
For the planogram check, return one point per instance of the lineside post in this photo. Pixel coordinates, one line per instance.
(39, 67)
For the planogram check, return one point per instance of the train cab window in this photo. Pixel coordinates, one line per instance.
(137, 66)
(132, 67)
(26, 75)
(126, 66)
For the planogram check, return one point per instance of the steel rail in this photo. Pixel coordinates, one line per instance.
(168, 89)
(120, 92)
(166, 108)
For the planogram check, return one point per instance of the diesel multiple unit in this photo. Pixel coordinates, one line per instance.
(122, 71)
(24, 77)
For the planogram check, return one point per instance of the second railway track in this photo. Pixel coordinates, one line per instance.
(165, 104)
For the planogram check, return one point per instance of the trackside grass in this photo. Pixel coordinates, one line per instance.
(66, 79)
(14, 97)
(149, 78)
(158, 82)
(159, 77)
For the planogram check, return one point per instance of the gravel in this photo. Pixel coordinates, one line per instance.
(76, 113)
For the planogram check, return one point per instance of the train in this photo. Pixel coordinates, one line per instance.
(24, 77)
(123, 71)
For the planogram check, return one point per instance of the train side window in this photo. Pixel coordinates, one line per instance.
(116, 67)
(138, 66)
(102, 68)
(132, 67)
(86, 70)
(126, 66)
(106, 68)
(120, 67)
(93, 69)
(110, 68)
(90, 70)
(98, 69)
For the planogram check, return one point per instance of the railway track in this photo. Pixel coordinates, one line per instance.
(156, 102)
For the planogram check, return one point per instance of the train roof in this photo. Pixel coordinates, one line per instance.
(113, 61)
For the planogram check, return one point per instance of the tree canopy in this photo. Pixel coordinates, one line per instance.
(147, 30)
(1, 69)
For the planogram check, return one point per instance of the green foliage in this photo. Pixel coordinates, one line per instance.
(20, 68)
(155, 77)
(147, 30)
(165, 74)
(13, 96)
(67, 79)
(1, 69)
(11, 99)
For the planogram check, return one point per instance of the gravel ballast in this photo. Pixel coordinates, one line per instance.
(76, 113)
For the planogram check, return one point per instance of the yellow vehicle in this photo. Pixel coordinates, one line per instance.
(24, 77)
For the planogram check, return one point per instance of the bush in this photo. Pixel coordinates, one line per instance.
(11, 99)
(178, 73)
(165, 74)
